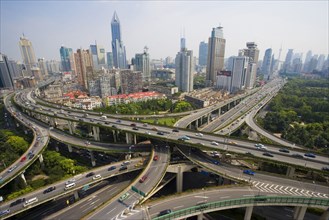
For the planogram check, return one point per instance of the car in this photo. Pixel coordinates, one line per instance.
(30, 152)
(23, 159)
(11, 169)
(31, 156)
(107, 123)
(268, 154)
(124, 163)
(165, 212)
(87, 142)
(232, 142)
(143, 179)
(96, 177)
(216, 162)
(325, 168)
(119, 121)
(249, 172)
(135, 128)
(156, 157)
(249, 153)
(154, 129)
(175, 130)
(184, 138)
(199, 134)
(145, 124)
(123, 197)
(160, 133)
(297, 156)
(90, 174)
(259, 145)
(147, 132)
(112, 168)
(70, 181)
(50, 189)
(18, 201)
(114, 126)
(123, 168)
(133, 124)
(310, 155)
(214, 143)
(4, 212)
(284, 150)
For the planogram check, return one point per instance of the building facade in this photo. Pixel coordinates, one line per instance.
(203, 53)
(130, 81)
(142, 63)
(6, 74)
(267, 63)
(28, 54)
(66, 56)
(118, 49)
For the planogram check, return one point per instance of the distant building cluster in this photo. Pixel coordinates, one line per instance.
(102, 73)
(133, 97)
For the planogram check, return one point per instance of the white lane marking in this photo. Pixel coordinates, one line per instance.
(203, 197)
(87, 203)
(147, 181)
(224, 197)
(177, 207)
(91, 198)
(94, 202)
(110, 211)
(248, 195)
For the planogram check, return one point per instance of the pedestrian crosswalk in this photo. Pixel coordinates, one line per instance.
(274, 188)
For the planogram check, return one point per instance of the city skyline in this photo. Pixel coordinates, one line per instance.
(142, 24)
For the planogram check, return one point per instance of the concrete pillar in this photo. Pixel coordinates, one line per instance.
(248, 213)
(57, 148)
(70, 124)
(23, 178)
(325, 215)
(129, 138)
(114, 136)
(290, 172)
(299, 212)
(200, 216)
(76, 195)
(96, 133)
(197, 123)
(135, 139)
(219, 111)
(190, 126)
(179, 179)
(93, 161)
(69, 147)
(41, 160)
(208, 118)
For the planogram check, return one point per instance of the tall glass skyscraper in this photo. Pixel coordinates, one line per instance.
(66, 56)
(118, 49)
(203, 53)
(27, 53)
(267, 62)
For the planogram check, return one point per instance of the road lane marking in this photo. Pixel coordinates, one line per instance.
(110, 211)
(248, 195)
(224, 197)
(87, 203)
(94, 202)
(203, 197)
(177, 207)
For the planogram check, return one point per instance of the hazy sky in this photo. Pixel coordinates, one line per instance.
(301, 25)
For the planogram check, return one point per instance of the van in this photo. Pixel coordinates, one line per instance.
(69, 186)
(30, 201)
(104, 117)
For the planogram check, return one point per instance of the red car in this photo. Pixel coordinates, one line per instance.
(23, 159)
(156, 157)
(133, 125)
(143, 179)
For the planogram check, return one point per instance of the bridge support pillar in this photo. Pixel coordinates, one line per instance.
(128, 138)
(299, 212)
(76, 195)
(41, 160)
(23, 178)
(208, 118)
(179, 179)
(69, 147)
(325, 215)
(200, 216)
(135, 139)
(71, 127)
(290, 172)
(93, 161)
(96, 133)
(190, 126)
(52, 122)
(197, 124)
(248, 213)
(114, 136)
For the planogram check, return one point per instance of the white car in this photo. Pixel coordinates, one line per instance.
(96, 177)
(199, 134)
(70, 181)
(214, 143)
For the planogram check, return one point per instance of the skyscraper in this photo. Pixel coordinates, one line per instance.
(307, 60)
(98, 56)
(118, 49)
(252, 53)
(142, 63)
(42, 66)
(239, 73)
(66, 56)
(27, 53)
(203, 53)
(84, 66)
(184, 68)
(6, 76)
(216, 53)
(267, 62)
(287, 62)
(109, 58)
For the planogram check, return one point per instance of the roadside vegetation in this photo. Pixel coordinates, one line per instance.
(150, 107)
(300, 112)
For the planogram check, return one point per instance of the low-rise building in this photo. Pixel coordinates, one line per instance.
(133, 97)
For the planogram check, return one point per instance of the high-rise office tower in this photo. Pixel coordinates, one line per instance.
(288, 60)
(253, 53)
(98, 56)
(267, 62)
(239, 73)
(27, 53)
(307, 60)
(109, 59)
(83, 66)
(66, 56)
(142, 63)
(42, 66)
(184, 68)
(6, 74)
(320, 62)
(118, 49)
(203, 53)
(216, 53)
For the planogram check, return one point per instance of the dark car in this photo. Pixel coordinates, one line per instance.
(133, 124)
(114, 126)
(123, 168)
(135, 128)
(325, 168)
(284, 150)
(310, 155)
(160, 133)
(107, 122)
(50, 189)
(119, 121)
(175, 130)
(112, 168)
(90, 174)
(31, 156)
(165, 212)
(268, 154)
(18, 201)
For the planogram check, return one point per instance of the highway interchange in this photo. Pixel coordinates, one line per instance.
(156, 169)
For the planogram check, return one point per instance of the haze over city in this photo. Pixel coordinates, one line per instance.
(159, 25)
